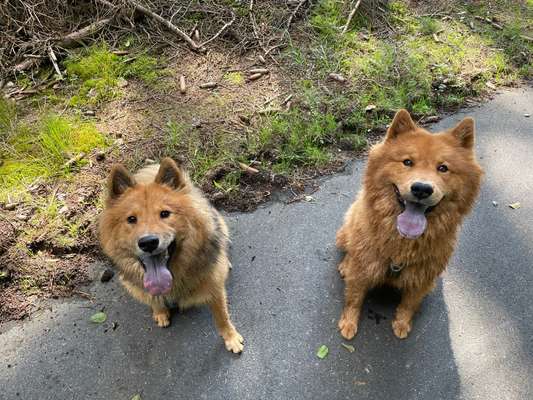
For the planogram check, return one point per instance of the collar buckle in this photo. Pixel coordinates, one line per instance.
(395, 270)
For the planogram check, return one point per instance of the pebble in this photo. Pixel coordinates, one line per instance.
(107, 275)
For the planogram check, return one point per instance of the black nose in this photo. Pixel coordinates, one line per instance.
(421, 190)
(148, 243)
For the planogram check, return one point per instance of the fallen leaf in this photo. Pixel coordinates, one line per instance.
(136, 397)
(515, 206)
(98, 318)
(322, 352)
(348, 347)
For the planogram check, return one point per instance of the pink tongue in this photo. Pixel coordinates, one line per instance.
(157, 277)
(412, 222)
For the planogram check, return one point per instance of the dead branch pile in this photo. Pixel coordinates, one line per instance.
(33, 32)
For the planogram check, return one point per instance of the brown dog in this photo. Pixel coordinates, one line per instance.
(402, 228)
(168, 243)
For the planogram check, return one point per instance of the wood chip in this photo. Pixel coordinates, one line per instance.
(183, 87)
(259, 71)
(208, 85)
(254, 77)
(248, 169)
(337, 77)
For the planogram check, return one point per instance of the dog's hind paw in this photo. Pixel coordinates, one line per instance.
(162, 319)
(234, 342)
(347, 327)
(401, 328)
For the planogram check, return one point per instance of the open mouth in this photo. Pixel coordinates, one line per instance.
(157, 276)
(412, 222)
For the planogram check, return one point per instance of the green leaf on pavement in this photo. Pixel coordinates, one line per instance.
(322, 352)
(136, 397)
(515, 206)
(98, 318)
(348, 347)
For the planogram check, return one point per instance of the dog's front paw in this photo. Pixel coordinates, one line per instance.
(162, 318)
(401, 328)
(347, 326)
(234, 342)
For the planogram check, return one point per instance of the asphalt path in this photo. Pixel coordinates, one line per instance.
(471, 340)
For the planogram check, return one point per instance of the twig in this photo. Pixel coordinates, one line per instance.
(169, 25)
(53, 58)
(226, 26)
(289, 21)
(74, 160)
(350, 16)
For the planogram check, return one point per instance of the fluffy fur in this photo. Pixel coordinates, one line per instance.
(370, 236)
(199, 262)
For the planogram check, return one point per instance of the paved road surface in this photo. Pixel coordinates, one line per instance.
(472, 339)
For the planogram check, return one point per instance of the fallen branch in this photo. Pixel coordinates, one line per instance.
(350, 16)
(226, 26)
(27, 64)
(169, 25)
(75, 38)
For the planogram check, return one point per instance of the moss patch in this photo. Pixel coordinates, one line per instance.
(97, 73)
(40, 151)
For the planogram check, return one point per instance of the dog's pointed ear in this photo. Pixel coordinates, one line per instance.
(464, 133)
(170, 174)
(119, 181)
(402, 123)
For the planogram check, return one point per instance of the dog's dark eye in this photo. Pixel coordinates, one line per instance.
(164, 214)
(132, 219)
(442, 168)
(407, 163)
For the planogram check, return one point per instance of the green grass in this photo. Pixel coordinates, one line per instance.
(97, 73)
(32, 152)
(428, 64)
